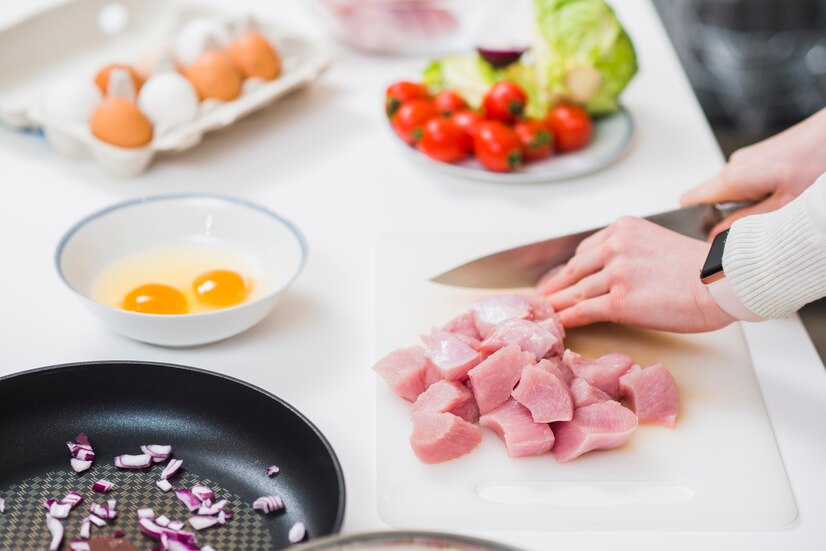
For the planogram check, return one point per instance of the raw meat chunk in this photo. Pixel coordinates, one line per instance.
(603, 373)
(451, 357)
(448, 397)
(438, 437)
(404, 370)
(463, 325)
(556, 366)
(585, 393)
(652, 394)
(493, 380)
(531, 337)
(513, 423)
(541, 307)
(491, 311)
(554, 326)
(545, 395)
(599, 426)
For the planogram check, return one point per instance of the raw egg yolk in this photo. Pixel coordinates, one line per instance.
(221, 288)
(155, 298)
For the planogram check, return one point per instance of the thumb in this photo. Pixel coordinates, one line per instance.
(717, 189)
(769, 205)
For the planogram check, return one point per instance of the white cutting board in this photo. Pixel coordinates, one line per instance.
(719, 469)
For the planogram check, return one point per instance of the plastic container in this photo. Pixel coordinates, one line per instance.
(78, 38)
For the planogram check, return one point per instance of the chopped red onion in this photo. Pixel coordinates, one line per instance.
(164, 485)
(79, 465)
(272, 470)
(202, 492)
(159, 453)
(79, 545)
(85, 528)
(171, 468)
(146, 513)
(228, 513)
(56, 529)
(207, 548)
(97, 521)
(72, 498)
(212, 508)
(200, 522)
(501, 57)
(60, 510)
(168, 544)
(2, 505)
(188, 498)
(153, 530)
(119, 534)
(297, 533)
(112, 503)
(126, 461)
(162, 520)
(102, 511)
(268, 504)
(222, 517)
(176, 524)
(102, 486)
(49, 502)
(81, 449)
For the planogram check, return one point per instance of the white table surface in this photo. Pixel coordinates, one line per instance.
(324, 158)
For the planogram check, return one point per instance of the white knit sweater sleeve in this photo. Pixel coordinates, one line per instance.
(776, 262)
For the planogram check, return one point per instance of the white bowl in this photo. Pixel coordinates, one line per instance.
(184, 219)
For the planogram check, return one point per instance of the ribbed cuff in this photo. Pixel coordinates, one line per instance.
(776, 262)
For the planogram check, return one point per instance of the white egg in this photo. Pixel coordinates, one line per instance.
(193, 37)
(72, 100)
(168, 99)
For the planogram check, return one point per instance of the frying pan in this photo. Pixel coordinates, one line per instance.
(226, 432)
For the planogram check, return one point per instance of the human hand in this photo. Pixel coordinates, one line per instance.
(637, 273)
(772, 172)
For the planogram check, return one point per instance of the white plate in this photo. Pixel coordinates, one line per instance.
(612, 138)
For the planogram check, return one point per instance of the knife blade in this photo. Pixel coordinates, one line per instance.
(523, 266)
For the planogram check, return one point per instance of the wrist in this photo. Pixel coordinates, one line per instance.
(718, 286)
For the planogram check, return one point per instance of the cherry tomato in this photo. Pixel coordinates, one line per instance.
(467, 120)
(402, 92)
(411, 116)
(497, 146)
(443, 140)
(505, 101)
(536, 139)
(448, 102)
(571, 127)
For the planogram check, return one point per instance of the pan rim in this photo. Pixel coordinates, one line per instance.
(339, 472)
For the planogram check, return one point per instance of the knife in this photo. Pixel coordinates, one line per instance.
(523, 266)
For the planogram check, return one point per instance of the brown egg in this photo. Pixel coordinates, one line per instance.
(214, 76)
(255, 56)
(119, 122)
(102, 78)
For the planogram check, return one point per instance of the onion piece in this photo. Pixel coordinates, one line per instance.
(85, 528)
(112, 503)
(203, 493)
(164, 485)
(501, 57)
(171, 468)
(97, 521)
(162, 520)
(158, 452)
(72, 498)
(102, 511)
(176, 524)
(79, 545)
(49, 502)
(56, 529)
(80, 448)
(188, 498)
(79, 465)
(2, 505)
(127, 461)
(146, 513)
(102, 486)
(119, 534)
(212, 508)
(200, 522)
(157, 532)
(272, 470)
(60, 510)
(297, 533)
(222, 517)
(268, 504)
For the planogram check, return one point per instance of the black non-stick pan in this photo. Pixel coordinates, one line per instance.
(226, 432)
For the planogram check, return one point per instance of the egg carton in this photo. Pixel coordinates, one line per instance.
(76, 39)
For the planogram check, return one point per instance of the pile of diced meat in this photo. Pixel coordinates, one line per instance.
(503, 366)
